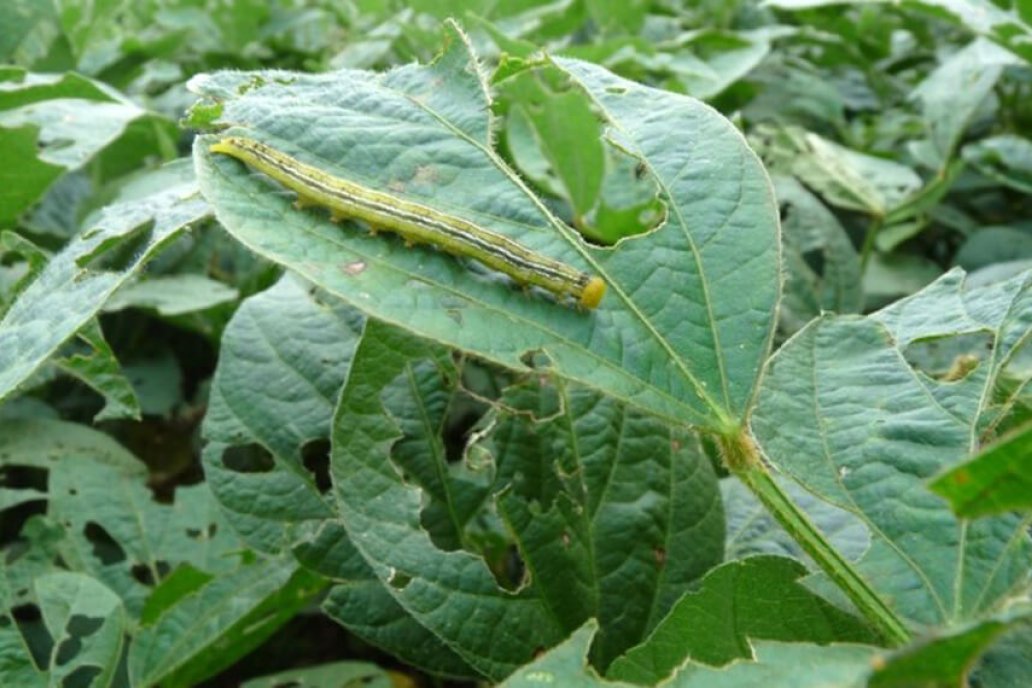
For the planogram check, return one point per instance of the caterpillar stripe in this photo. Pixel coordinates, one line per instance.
(416, 223)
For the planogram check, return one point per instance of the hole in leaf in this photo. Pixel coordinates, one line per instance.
(81, 677)
(30, 626)
(83, 626)
(55, 144)
(207, 533)
(616, 90)
(515, 569)
(118, 253)
(315, 456)
(815, 259)
(79, 627)
(26, 613)
(951, 358)
(143, 573)
(399, 581)
(249, 458)
(535, 359)
(105, 548)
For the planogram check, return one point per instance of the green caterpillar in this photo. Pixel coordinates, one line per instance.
(416, 223)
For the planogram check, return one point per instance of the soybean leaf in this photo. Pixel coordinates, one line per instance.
(619, 496)
(364, 605)
(284, 356)
(52, 124)
(823, 268)
(844, 177)
(947, 659)
(1008, 27)
(112, 528)
(552, 124)
(756, 598)
(1006, 158)
(565, 664)
(172, 295)
(947, 111)
(293, 340)
(73, 286)
(570, 480)
(18, 667)
(219, 622)
(991, 246)
(752, 529)
(97, 367)
(689, 350)
(31, 29)
(846, 413)
(22, 262)
(774, 664)
(999, 479)
(87, 624)
(381, 510)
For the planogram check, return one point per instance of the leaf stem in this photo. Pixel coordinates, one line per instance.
(743, 459)
(868, 248)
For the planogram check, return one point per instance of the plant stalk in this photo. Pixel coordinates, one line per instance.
(868, 248)
(743, 459)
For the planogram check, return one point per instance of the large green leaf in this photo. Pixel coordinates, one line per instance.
(121, 536)
(752, 529)
(452, 593)
(73, 286)
(284, 355)
(687, 321)
(846, 414)
(593, 492)
(601, 495)
(938, 661)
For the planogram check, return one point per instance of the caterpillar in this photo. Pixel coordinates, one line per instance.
(415, 223)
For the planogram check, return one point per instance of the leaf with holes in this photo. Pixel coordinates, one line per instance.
(687, 320)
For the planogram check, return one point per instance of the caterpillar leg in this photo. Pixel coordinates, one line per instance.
(302, 203)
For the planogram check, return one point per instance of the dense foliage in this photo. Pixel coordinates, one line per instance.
(241, 443)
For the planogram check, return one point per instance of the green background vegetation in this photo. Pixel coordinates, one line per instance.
(241, 444)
